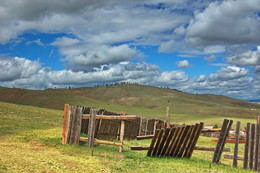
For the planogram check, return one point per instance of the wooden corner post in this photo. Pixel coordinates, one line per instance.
(167, 116)
(65, 124)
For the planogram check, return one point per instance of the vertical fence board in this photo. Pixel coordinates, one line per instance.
(77, 125)
(246, 149)
(252, 145)
(257, 137)
(237, 135)
(91, 127)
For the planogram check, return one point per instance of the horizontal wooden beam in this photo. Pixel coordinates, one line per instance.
(144, 137)
(111, 117)
(101, 141)
(231, 156)
(206, 148)
(139, 148)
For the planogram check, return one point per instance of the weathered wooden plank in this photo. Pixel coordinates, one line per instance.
(139, 148)
(167, 142)
(177, 139)
(164, 137)
(222, 139)
(246, 149)
(111, 117)
(101, 141)
(77, 125)
(122, 132)
(206, 148)
(231, 156)
(91, 127)
(194, 140)
(185, 142)
(257, 137)
(153, 142)
(144, 137)
(237, 135)
(158, 142)
(167, 147)
(71, 126)
(167, 117)
(65, 122)
(252, 145)
(190, 142)
(180, 143)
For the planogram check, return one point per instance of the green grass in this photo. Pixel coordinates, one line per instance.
(31, 142)
(141, 100)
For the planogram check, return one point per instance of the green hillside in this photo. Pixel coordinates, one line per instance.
(135, 99)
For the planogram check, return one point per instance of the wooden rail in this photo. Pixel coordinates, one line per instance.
(110, 117)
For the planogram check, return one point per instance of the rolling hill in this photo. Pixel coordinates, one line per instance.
(135, 99)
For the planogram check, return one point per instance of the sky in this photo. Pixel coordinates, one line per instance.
(196, 46)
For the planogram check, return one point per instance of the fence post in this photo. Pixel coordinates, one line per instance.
(122, 132)
(237, 135)
(257, 165)
(167, 117)
(245, 165)
(65, 123)
(252, 145)
(91, 127)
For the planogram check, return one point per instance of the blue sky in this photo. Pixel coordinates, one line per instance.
(192, 45)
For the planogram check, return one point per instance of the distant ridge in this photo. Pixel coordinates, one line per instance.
(133, 98)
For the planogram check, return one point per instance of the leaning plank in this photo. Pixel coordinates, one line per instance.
(158, 142)
(231, 156)
(164, 137)
(222, 140)
(168, 140)
(181, 142)
(184, 147)
(144, 137)
(110, 117)
(101, 141)
(194, 140)
(152, 143)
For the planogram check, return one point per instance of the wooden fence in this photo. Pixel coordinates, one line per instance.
(251, 156)
(173, 142)
(72, 125)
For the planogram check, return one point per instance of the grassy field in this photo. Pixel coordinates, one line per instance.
(31, 142)
(135, 99)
